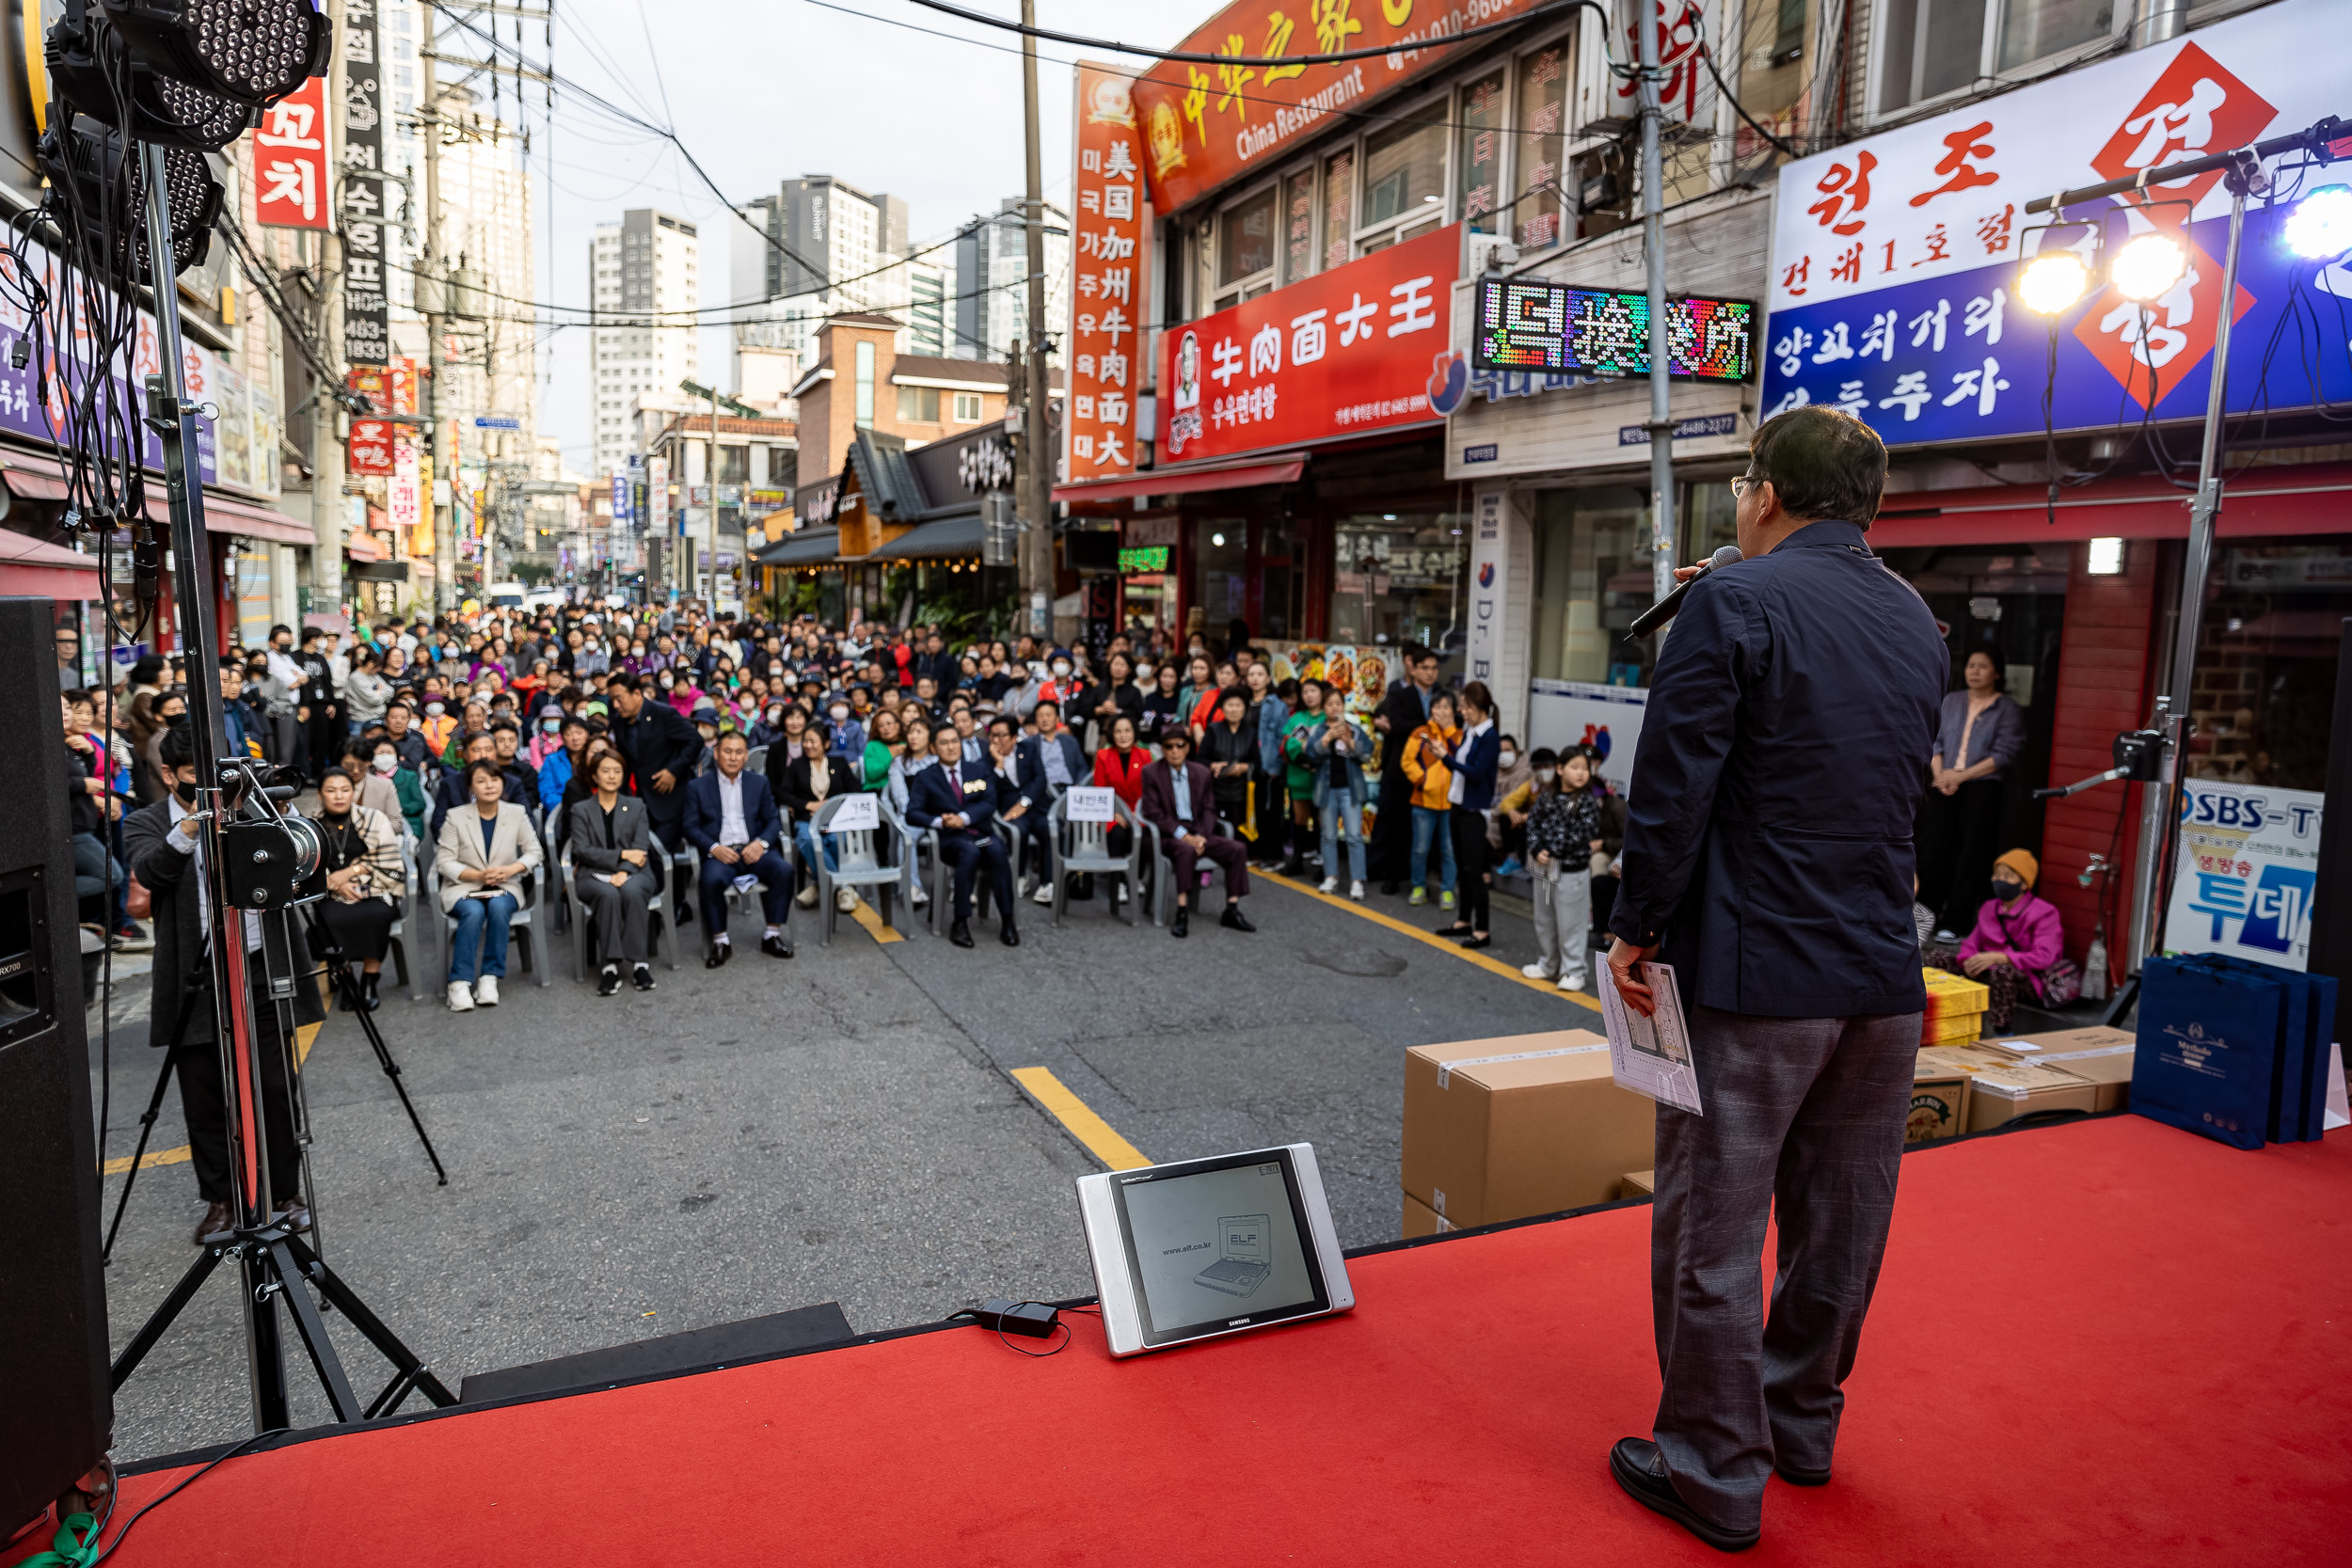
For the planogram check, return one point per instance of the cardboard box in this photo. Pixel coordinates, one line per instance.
(1951, 994)
(1638, 1183)
(1959, 1029)
(2101, 1057)
(1526, 1124)
(1422, 1220)
(2000, 1095)
(1939, 1102)
(1974, 1056)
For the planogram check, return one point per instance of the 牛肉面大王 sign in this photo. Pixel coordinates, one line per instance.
(1894, 258)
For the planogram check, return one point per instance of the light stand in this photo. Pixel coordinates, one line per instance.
(272, 1262)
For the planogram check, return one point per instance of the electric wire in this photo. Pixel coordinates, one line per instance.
(1182, 56)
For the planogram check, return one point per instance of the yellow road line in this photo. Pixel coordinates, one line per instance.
(306, 1035)
(1084, 1125)
(1444, 944)
(875, 926)
(149, 1161)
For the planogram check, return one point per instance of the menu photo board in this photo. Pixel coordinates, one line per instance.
(1526, 324)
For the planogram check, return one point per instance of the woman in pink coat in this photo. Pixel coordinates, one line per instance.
(2016, 939)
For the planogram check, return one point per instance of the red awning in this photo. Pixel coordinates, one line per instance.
(242, 519)
(1194, 480)
(41, 570)
(34, 484)
(362, 547)
(2306, 499)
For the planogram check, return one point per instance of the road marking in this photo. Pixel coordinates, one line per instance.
(1444, 944)
(875, 926)
(1084, 1125)
(306, 1035)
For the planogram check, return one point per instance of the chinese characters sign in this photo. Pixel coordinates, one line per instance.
(2250, 864)
(1895, 259)
(290, 180)
(1204, 124)
(1110, 239)
(1528, 324)
(366, 323)
(1357, 348)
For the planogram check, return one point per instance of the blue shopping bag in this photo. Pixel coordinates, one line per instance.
(2208, 1048)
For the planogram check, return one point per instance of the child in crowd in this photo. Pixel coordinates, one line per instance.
(1563, 831)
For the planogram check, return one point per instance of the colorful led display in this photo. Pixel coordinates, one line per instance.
(1524, 323)
(1143, 558)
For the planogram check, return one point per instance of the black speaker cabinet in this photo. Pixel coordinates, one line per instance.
(2331, 901)
(56, 1417)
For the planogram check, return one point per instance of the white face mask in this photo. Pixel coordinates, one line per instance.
(1143, 673)
(1545, 775)
(1061, 670)
(1508, 759)
(384, 762)
(839, 713)
(433, 710)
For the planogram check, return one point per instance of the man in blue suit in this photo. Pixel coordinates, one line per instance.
(731, 818)
(958, 798)
(1045, 766)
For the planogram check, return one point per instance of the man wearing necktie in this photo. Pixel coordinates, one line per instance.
(957, 799)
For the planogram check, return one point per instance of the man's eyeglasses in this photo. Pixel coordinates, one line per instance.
(1741, 487)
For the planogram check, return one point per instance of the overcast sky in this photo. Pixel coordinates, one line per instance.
(761, 93)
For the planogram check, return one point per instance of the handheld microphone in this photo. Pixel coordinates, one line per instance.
(1668, 608)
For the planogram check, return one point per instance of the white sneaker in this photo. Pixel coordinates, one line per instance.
(1356, 891)
(1328, 886)
(1045, 893)
(806, 898)
(1119, 893)
(1572, 982)
(485, 991)
(460, 997)
(920, 897)
(844, 899)
(1537, 971)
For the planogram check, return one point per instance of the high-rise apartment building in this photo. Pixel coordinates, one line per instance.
(992, 280)
(644, 284)
(817, 248)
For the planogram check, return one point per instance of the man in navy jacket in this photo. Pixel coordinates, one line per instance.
(731, 818)
(958, 799)
(662, 750)
(1768, 858)
(1034, 762)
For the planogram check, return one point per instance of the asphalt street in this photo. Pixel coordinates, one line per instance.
(842, 1127)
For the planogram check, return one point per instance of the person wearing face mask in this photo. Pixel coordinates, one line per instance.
(2016, 945)
(846, 736)
(369, 788)
(1506, 832)
(384, 765)
(440, 725)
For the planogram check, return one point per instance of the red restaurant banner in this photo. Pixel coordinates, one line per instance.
(1354, 349)
(1111, 238)
(1205, 124)
(290, 183)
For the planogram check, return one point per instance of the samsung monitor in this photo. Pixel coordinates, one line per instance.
(1204, 1248)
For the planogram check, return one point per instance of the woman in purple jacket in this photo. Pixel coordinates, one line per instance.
(2015, 940)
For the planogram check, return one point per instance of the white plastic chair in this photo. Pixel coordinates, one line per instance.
(858, 851)
(1084, 848)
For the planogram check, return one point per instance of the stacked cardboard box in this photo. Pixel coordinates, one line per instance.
(1527, 1124)
(2007, 1080)
(2101, 1057)
(1939, 1102)
(1955, 1009)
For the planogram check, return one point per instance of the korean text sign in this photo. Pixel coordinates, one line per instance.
(2249, 867)
(367, 331)
(291, 185)
(1204, 124)
(1895, 259)
(1111, 233)
(1354, 349)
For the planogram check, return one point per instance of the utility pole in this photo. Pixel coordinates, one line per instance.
(327, 511)
(432, 283)
(710, 516)
(1037, 513)
(1661, 424)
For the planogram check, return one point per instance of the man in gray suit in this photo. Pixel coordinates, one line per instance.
(1768, 853)
(611, 871)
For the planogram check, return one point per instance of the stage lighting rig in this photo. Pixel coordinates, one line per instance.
(104, 181)
(95, 71)
(257, 50)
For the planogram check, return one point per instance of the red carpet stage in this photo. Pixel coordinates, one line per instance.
(2101, 1343)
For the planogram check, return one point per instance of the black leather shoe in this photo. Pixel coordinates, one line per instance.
(1180, 925)
(961, 934)
(370, 997)
(216, 1220)
(1795, 1477)
(642, 978)
(1009, 934)
(1233, 920)
(610, 980)
(1638, 1467)
(720, 953)
(295, 1212)
(776, 946)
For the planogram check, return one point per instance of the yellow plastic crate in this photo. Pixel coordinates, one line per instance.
(1950, 995)
(1955, 1030)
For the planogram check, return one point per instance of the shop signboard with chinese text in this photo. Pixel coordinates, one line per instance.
(1527, 323)
(367, 333)
(1894, 258)
(2250, 868)
(1111, 236)
(291, 185)
(1205, 124)
(1355, 349)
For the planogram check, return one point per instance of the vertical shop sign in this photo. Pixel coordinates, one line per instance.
(1111, 271)
(366, 329)
(291, 188)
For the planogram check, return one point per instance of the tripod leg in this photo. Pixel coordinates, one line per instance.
(154, 1329)
(147, 1130)
(339, 1294)
(313, 1331)
(391, 1071)
(2126, 994)
(265, 1349)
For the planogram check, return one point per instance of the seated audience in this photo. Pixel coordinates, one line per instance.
(482, 857)
(731, 818)
(612, 846)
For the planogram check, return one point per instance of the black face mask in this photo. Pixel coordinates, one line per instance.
(185, 791)
(2004, 890)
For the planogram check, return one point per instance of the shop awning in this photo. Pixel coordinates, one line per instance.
(810, 546)
(34, 484)
(243, 518)
(362, 547)
(1192, 478)
(38, 569)
(947, 538)
(2308, 498)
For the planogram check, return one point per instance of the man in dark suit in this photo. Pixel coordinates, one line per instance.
(959, 801)
(731, 818)
(166, 853)
(1402, 710)
(1047, 764)
(1768, 854)
(1178, 798)
(662, 750)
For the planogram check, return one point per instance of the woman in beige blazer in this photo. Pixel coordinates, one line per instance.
(481, 861)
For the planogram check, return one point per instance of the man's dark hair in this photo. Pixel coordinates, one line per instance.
(574, 721)
(624, 682)
(1821, 462)
(1176, 735)
(478, 734)
(1543, 757)
(275, 629)
(1046, 702)
(1001, 723)
(177, 748)
(507, 724)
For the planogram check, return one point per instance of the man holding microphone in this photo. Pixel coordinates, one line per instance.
(1768, 858)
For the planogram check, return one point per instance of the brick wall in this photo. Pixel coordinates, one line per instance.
(2105, 682)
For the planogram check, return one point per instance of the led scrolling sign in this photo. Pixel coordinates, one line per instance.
(1528, 324)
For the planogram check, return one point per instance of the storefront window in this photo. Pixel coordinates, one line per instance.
(1299, 226)
(2266, 685)
(1478, 161)
(1338, 207)
(1245, 239)
(1220, 553)
(1542, 125)
(1277, 580)
(1399, 578)
(1594, 569)
(1404, 171)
